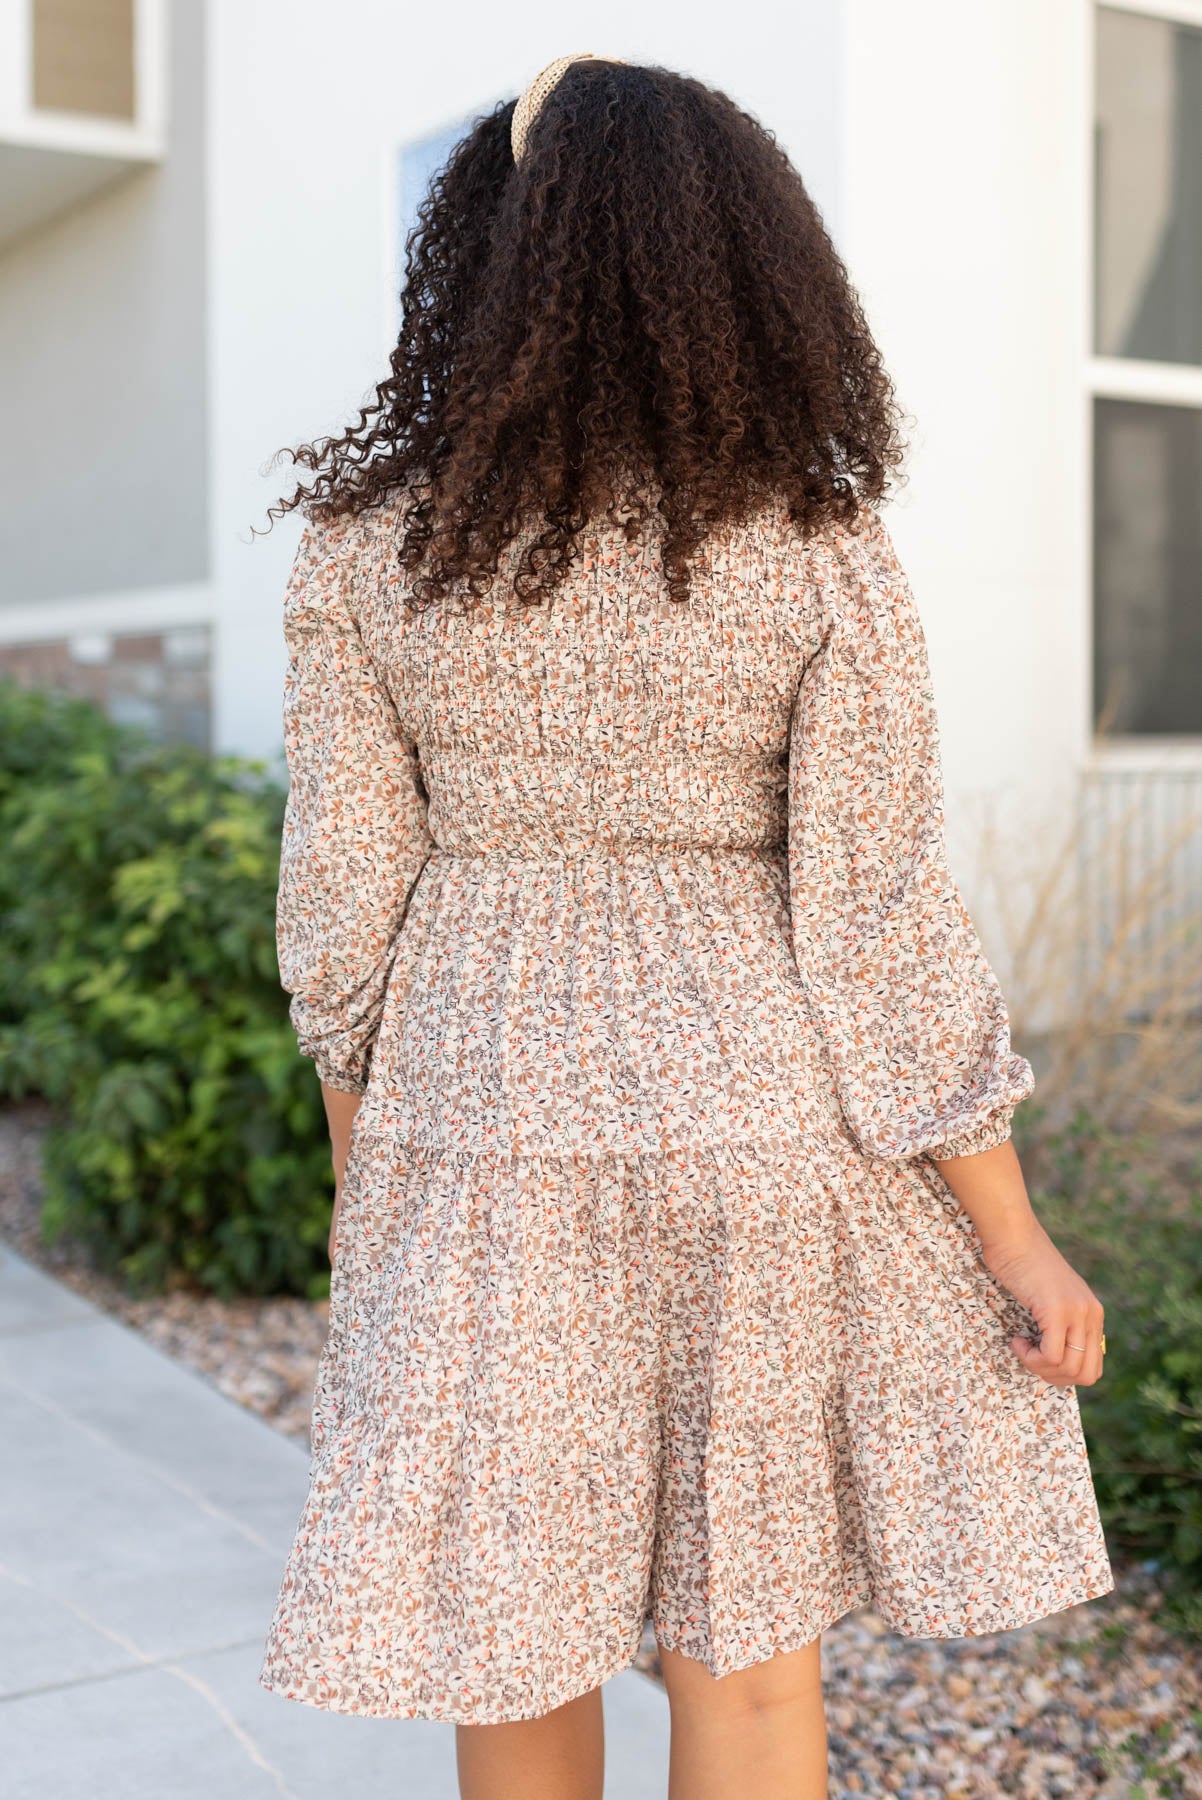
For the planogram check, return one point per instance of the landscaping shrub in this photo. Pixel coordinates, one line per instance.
(1139, 1245)
(141, 996)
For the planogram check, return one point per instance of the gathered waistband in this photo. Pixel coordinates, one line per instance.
(559, 807)
(611, 853)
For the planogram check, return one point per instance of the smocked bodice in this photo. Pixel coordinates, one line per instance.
(611, 874)
(614, 721)
(608, 717)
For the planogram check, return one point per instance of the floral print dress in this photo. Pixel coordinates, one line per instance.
(632, 923)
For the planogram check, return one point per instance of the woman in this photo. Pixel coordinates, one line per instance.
(682, 1264)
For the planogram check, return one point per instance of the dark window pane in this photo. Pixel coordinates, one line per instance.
(1147, 568)
(1148, 173)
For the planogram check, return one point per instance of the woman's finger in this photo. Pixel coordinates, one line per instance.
(1093, 1362)
(1076, 1348)
(1052, 1333)
(1032, 1357)
(1062, 1371)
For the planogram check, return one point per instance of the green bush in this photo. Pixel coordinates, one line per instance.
(1140, 1248)
(142, 998)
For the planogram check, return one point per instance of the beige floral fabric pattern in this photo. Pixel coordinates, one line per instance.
(632, 923)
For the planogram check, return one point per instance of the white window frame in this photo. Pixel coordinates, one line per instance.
(1127, 378)
(144, 137)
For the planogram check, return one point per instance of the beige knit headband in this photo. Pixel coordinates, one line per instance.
(533, 95)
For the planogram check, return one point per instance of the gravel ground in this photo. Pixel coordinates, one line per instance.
(1099, 1701)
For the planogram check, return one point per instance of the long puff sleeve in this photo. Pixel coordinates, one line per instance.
(911, 1014)
(355, 834)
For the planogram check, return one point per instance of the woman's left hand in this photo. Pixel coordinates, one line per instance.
(1069, 1314)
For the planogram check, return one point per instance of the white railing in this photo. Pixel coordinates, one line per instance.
(1140, 884)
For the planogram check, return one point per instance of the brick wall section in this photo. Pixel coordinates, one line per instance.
(157, 681)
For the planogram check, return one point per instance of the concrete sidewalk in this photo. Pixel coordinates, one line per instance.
(144, 1521)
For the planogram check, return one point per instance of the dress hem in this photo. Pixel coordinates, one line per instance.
(1014, 1619)
(454, 1715)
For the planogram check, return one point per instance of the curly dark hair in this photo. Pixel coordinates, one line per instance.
(647, 312)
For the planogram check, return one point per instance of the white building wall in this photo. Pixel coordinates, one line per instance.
(964, 210)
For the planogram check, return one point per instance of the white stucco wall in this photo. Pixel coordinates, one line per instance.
(964, 209)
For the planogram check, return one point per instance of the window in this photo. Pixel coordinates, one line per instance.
(1147, 370)
(1148, 148)
(83, 57)
(420, 161)
(1148, 553)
